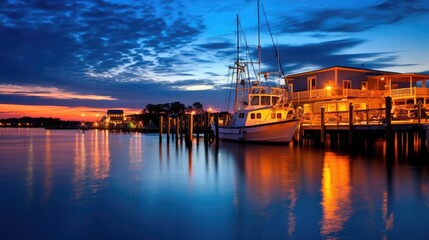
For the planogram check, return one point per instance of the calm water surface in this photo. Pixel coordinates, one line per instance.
(64, 184)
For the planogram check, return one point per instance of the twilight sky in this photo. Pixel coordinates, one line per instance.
(77, 58)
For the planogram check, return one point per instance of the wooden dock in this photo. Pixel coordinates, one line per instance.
(356, 126)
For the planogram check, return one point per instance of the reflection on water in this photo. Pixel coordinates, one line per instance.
(91, 168)
(336, 190)
(30, 170)
(48, 165)
(113, 185)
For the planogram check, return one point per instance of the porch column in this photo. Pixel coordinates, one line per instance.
(336, 77)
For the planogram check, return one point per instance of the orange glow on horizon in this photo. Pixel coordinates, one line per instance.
(63, 112)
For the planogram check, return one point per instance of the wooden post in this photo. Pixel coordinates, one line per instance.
(190, 127)
(168, 127)
(419, 113)
(161, 124)
(367, 115)
(181, 127)
(206, 126)
(351, 123)
(216, 119)
(389, 138)
(177, 123)
(322, 125)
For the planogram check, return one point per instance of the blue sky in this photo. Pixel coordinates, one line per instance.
(127, 54)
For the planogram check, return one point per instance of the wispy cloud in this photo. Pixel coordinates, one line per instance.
(47, 92)
(353, 19)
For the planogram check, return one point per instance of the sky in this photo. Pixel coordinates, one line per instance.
(74, 59)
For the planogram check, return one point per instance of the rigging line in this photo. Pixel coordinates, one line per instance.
(277, 55)
(248, 53)
(272, 40)
(230, 89)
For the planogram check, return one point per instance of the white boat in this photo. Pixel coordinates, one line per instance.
(262, 113)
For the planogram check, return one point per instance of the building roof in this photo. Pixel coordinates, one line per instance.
(404, 77)
(110, 111)
(339, 68)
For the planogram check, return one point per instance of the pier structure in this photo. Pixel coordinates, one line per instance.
(356, 126)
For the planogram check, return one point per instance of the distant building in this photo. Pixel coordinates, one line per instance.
(114, 118)
(134, 120)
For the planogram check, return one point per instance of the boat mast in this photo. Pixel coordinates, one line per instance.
(237, 68)
(259, 46)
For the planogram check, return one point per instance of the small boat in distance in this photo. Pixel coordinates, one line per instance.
(262, 113)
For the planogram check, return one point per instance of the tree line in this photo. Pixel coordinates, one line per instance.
(174, 108)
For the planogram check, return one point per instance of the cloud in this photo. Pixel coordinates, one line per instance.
(47, 92)
(353, 19)
(91, 41)
(327, 54)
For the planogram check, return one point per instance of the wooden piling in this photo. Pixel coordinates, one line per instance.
(181, 127)
(322, 125)
(216, 120)
(190, 127)
(161, 124)
(350, 123)
(206, 126)
(389, 138)
(419, 113)
(168, 127)
(177, 127)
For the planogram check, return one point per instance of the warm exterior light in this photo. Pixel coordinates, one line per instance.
(83, 114)
(328, 88)
(193, 112)
(210, 109)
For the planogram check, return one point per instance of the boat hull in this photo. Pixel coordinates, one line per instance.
(277, 132)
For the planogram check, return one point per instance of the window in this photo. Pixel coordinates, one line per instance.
(364, 85)
(241, 115)
(273, 116)
(274, 101)
(265, 100)
(311, 82)
(347, 84)
(279, 115)
(258, 115)
(252, 116)
(254, 100)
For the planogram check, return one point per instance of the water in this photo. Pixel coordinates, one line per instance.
(59, 184)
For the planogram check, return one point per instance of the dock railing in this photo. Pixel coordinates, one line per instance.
(373, 116)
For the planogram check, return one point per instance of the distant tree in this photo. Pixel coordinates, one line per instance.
(199, 109)
(189, 109)
(177, 108)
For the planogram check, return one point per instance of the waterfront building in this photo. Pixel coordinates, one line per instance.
(336, 87)
(114, 118)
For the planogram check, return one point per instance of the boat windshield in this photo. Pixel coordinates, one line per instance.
(264, 96)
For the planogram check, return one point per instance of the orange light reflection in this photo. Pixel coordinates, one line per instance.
(336, 191)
